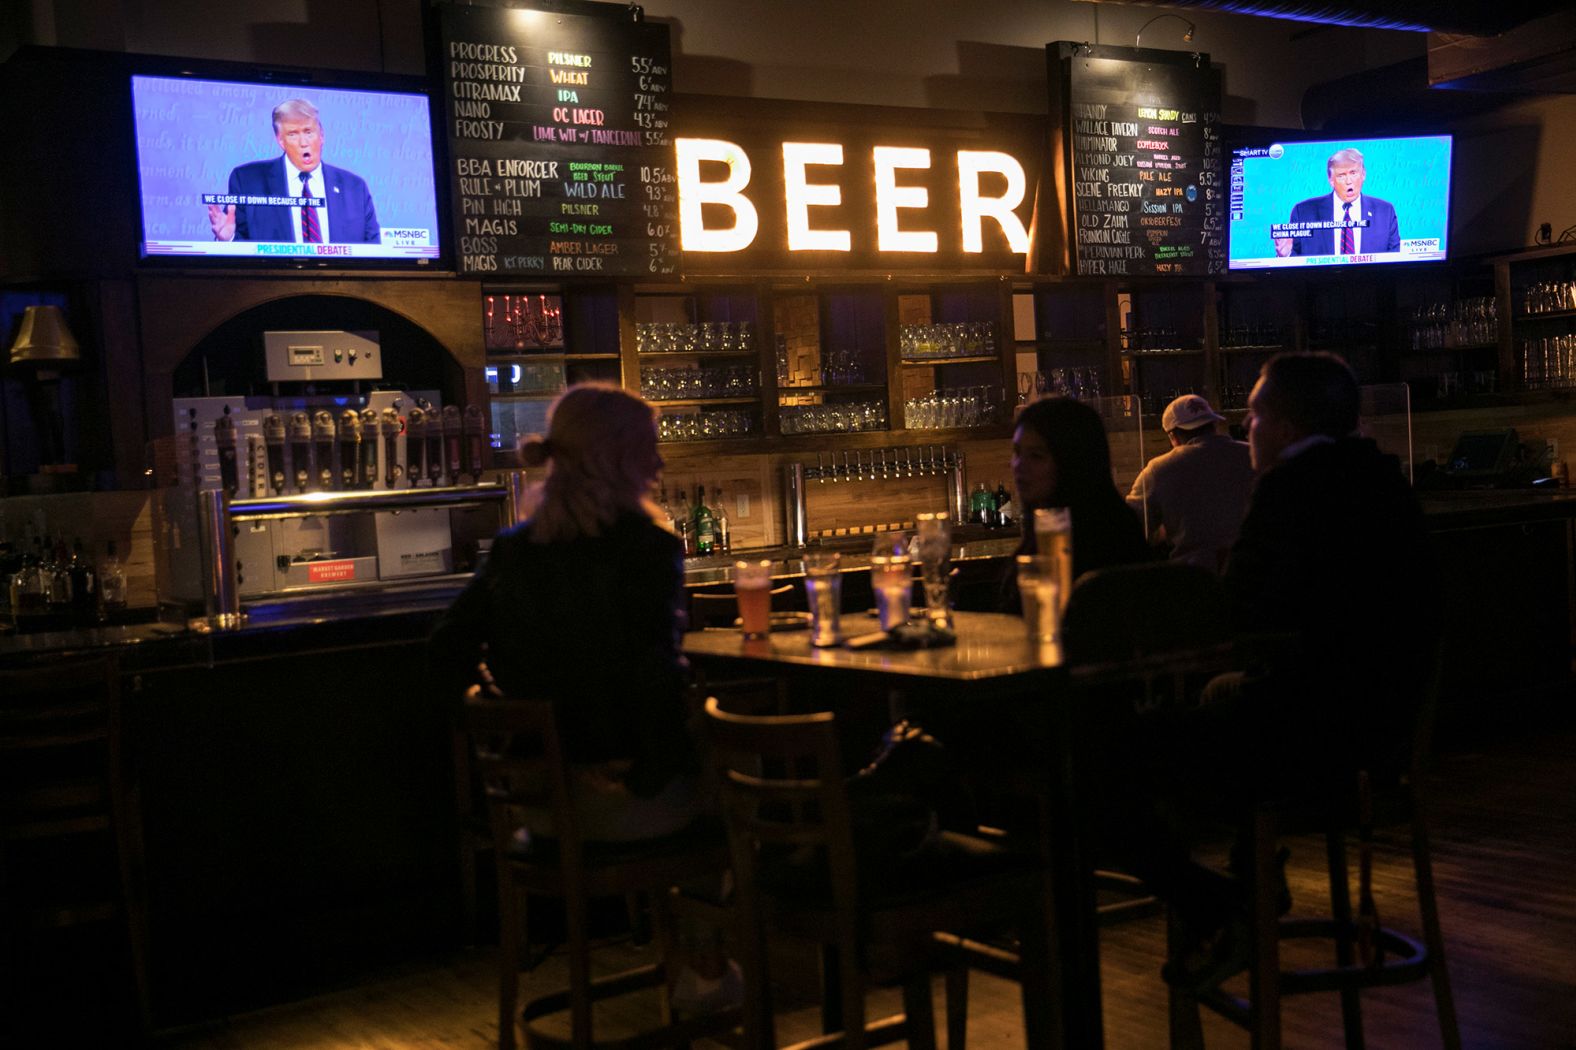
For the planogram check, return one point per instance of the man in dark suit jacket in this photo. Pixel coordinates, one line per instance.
(1333, 557)
(1346, 203)
(1333, 551)
(350, 218)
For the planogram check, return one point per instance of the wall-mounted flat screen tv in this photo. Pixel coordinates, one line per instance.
(288, 173)
(1339, 202)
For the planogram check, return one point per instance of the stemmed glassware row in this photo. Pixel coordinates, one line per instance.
(1083, 384)
(704, 426)
(832, 419)
(666, 337)
(952, 339)
(680, 384)
(968, 406)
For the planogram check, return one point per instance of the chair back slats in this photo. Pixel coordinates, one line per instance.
(782, 785)
(1125, 611)
(520, 762)
(63, 706)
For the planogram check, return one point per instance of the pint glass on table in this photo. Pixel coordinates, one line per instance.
(893, 584)
(1053, 538)
(752, 586)
(823, 592)
(1037, 589)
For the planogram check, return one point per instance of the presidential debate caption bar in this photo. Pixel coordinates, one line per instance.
(562, 162)
(1144, 143)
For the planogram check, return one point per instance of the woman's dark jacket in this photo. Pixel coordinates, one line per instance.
(593, 624)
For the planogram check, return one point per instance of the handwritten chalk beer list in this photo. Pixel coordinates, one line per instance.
(1146, 157)
(559, 141)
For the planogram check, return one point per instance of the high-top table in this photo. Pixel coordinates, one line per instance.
(994, 668)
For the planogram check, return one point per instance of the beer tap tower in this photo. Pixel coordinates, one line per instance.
(325, 493)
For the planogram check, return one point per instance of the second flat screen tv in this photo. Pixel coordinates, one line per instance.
(1339, 202)
(218, 163)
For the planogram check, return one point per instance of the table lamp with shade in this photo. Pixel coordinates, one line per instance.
(43, 350)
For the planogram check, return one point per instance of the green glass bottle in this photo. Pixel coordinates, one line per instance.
(705, 523)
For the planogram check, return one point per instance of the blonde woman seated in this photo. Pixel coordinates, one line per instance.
(580, 604)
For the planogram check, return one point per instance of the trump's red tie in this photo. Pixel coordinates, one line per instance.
(310, 233)
(1348, 240)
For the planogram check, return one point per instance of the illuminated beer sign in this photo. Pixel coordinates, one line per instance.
(754, 196)
(801, 194)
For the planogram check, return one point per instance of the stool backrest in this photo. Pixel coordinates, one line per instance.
(1127, 611)
(783, 792)
(520, 763)
(1145, 637)
(61, 723)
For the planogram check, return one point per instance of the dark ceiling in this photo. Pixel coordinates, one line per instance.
(1475, 17)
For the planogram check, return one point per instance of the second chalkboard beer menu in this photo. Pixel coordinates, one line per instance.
(560, 155)
(1140, 151)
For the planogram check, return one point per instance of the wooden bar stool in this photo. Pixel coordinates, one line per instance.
(1367, 954)
(797, 875)
(520, 760)
(69, 796)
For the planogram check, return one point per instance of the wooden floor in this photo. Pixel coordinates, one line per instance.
(1504, 822)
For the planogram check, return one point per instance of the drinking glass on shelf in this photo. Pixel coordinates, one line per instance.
(752, 586)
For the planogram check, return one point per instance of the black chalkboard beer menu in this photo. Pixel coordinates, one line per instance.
(560, 156)
(1140, 144)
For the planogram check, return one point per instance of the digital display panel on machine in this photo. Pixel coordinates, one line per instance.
(220, 166)
(1339, 202)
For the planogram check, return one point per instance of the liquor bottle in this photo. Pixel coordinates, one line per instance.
(720, 526)
(682, 524)
(112, 582)
(665, 510)
(982, 506)
(84, 586)
(26, 598)
(57, 594)
(1006, 513)
(705, 523)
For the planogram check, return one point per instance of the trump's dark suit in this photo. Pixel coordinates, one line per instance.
(1383, 233)
(352, 219)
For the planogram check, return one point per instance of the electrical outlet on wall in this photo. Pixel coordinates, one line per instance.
(741, 501)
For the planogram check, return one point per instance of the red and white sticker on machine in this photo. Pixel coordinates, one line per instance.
(330, 571)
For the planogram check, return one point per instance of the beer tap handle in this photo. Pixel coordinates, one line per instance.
(274, 437)
(301, 450)
(859, 465)
(833, 467)
(392, 428)
(349, 448)
(820, 469)
(453, 442)
(475, 442)
(370, 429)
(415, 445)
(224, 439)
(324, 434)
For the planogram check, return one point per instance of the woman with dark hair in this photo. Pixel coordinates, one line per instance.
(1060, 458)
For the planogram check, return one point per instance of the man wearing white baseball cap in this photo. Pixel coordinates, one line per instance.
(1194, 496)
